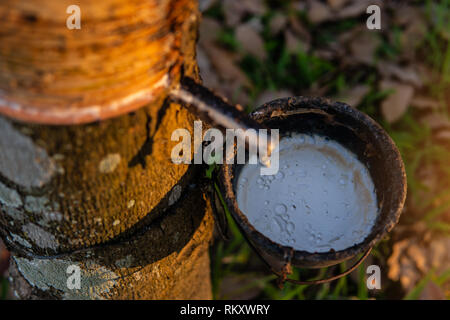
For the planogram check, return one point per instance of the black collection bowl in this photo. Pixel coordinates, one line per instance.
(352, 129)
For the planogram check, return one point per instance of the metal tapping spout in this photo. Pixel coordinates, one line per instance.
(214, 110)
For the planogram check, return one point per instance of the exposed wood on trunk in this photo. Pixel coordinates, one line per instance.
(126, 54)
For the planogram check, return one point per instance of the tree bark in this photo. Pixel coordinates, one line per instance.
(106, 197)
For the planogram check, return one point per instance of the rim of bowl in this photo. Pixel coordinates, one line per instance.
(392, 162)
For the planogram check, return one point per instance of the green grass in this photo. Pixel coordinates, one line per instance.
(437, 50)
(438, 280)
(228, 40)
(390, 49)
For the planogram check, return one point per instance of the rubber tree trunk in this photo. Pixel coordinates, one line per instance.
(105, 197)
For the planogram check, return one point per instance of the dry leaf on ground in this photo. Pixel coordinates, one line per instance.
(356, 8)
(233, 287)
(410, 38)
(209, 30)
(317, 89)
(443, 135)
(254, 7)
(209, 77)
(435, 121)
(428, 75)
(407, 14)
(412, 259)
(318, 12)
(337, 4)
(223, 63)
(234, 11)
(256, 24)
(205, 4)
(432, 292)
(428, 177)
(277, 23)
(405, 74)
(347, 36)
(251, 41)
(220, 73)
(396, 104)
(325, 54)
(298, 27)
(423, 102)
(299, 5)
(236, 92)
(293, 43)
(353, 96)
(363, 46)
